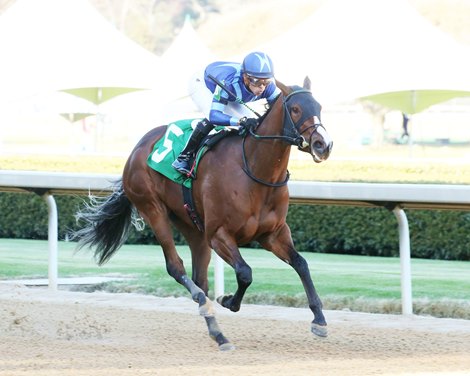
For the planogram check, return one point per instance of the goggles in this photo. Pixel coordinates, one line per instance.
(258, 82)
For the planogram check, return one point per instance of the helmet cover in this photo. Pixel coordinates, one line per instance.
(258, 64)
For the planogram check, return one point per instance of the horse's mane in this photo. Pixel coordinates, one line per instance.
(269, 106)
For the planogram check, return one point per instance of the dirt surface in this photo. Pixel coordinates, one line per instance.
(70, 333)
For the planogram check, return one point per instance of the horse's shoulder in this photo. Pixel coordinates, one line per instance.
(227, 148)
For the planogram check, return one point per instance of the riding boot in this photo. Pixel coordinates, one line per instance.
(183, 162)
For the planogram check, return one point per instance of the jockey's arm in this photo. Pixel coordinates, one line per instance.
(217, 115)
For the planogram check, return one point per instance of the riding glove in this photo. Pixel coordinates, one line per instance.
(246, 124)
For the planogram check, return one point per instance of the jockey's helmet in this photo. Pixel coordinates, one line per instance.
(258, 64)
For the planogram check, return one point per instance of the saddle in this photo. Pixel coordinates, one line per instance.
(167, 149)
(208, 143)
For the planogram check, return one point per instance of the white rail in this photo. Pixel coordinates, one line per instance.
(46, 184)
(395, 197)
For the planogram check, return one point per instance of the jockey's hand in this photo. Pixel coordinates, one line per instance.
(247, 123)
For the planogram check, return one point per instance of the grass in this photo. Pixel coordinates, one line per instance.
(359, 283)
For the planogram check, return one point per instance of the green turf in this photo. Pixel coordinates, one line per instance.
(343, 281)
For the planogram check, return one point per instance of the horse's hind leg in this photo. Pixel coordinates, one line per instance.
(200, 253)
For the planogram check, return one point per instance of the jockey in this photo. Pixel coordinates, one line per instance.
(250, 81)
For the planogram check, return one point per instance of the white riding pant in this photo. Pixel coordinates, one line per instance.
(202, 98)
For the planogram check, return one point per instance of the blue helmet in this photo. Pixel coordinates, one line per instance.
(258, 64)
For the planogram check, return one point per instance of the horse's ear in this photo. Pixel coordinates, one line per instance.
(307, 83)
(286, 90)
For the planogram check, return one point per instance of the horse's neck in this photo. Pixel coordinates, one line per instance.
(269, 158)
(273, 123)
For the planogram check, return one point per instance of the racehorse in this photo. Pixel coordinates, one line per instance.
(240, 194)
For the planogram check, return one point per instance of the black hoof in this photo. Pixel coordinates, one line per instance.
(224, 300)
(319, 330)
(226, 347)
(227, 302)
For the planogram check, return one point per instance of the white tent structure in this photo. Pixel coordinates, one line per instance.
(53, 103)
(52, 45)
(355, 49)
(187, 55)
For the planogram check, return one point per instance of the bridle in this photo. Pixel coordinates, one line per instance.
(290, 134)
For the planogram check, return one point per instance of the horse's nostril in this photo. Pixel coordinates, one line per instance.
(318, 145)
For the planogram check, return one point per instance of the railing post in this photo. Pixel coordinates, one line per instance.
(218, 275)
(405, 261)
(52, 240)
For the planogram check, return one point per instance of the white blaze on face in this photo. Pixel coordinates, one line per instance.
(322, 131)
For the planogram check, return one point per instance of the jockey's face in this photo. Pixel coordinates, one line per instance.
(256, 85)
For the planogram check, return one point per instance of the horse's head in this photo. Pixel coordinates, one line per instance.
(302, 121)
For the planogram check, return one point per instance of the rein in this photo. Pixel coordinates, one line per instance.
(290, 134)
(247, 171)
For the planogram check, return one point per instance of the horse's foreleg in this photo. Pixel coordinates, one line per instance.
(230, 253)
(282, 246)
(176, 269)
(301, 267)
(244, 279)
(206, 308)
(200, 254)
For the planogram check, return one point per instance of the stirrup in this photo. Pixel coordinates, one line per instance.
(182, 166)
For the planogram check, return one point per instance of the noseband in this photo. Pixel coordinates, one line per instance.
(290, 132)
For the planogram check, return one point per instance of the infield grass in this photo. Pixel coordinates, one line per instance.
(360, 283)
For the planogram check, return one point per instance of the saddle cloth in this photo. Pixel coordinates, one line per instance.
(167, 149)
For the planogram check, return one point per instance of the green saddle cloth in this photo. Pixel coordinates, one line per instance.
(167, 149)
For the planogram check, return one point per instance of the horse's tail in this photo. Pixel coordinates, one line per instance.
(107, 223)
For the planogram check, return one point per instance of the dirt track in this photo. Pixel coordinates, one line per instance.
(70, 333)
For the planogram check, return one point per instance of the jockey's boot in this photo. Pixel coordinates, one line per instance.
(183, 162)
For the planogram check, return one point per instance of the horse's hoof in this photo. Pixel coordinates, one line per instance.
(226, 347)
(319, 330)
(223, 299)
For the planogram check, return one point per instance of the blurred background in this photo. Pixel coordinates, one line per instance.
(92, 76)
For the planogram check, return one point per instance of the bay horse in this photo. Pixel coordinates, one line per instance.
(240, 194)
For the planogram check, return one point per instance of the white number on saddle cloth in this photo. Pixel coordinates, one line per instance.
(167, 143)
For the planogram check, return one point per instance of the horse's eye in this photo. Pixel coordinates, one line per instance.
(295, 109)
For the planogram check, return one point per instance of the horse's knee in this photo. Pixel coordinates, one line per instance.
(244, 275)
(176, 270)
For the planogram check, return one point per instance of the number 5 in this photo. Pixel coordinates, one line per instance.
(157, 157)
